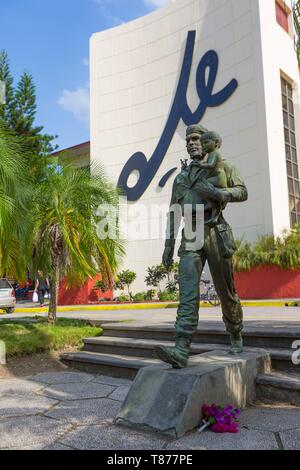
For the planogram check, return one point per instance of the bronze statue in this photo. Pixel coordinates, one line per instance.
(213, 183)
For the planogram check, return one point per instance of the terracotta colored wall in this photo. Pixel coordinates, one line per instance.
(268, 282)
(80, 295)
(265, 282)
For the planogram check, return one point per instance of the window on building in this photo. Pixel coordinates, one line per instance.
(282, 16)
(291, 151)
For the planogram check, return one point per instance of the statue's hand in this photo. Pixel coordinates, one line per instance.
(209, 191)
(167, 259)
(221, 195)
(205, 189)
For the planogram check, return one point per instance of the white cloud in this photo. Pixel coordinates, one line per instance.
(85, 61)
(77, 102)
(157, 3)
(110, 19)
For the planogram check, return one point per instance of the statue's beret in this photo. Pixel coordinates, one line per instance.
(195, 129)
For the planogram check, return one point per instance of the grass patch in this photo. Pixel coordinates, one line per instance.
(28, 337)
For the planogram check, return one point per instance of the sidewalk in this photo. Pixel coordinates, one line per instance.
(253, 316)
(74, 410)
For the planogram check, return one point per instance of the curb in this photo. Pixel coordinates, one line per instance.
(99, 307)
(246, 303)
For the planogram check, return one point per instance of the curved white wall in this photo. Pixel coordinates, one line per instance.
(134, 73)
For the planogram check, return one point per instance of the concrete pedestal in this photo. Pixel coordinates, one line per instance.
(169, 400)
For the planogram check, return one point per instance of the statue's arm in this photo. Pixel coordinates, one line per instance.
(170, 232)
(236, 186)
(173, 224)
(236, 190)
(212, 161)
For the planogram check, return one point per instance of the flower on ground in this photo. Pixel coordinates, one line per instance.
(220, 419)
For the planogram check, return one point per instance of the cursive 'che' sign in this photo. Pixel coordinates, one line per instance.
(179, 110)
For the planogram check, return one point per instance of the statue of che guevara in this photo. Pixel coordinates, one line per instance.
(210, 181)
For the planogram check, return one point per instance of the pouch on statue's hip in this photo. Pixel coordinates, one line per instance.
(225, 240)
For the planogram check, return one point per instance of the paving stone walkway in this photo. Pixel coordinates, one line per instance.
(74, 410)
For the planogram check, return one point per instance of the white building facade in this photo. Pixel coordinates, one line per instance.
(227, 64)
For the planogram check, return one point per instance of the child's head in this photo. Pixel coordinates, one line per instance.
(210, 141)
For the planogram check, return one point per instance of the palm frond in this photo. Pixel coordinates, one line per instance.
(69, 201)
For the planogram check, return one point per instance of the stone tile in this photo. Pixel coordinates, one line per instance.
(120, 393)
(62, 377)
(42, 447)
(57, 446)
(34, 432)
(111, 438)
(85, 411)
(290, 439)
(19, 387)
(75, 391)
(271, 418)
(24, 405)
(104, 379)
(243, 440)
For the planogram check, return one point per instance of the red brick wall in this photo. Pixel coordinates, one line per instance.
(268, 282)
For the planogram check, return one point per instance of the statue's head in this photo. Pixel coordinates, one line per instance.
(193, 140)
(211, 141)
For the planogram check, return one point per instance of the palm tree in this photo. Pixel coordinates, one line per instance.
(15, 192)
(66, 239)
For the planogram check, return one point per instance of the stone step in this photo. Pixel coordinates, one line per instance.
(281, 358)
(137, 347)
(112, 365)
(272, 386)
(278, 386)
(260, 336)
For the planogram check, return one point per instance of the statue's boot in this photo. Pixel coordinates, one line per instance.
(236, 344)
(176, 356)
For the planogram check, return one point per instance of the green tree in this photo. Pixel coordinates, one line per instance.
(23, 116)
(66, 240)
(172, 274)
(18, 114)
(15, 222)
(125, 279)
(6, 77)
(158, 273)
(155, 275)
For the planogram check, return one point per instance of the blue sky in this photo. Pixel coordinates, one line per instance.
(50, 39)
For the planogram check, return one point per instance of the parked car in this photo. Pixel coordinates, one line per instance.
(7, 296)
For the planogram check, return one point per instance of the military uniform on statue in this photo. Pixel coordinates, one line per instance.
(212, 184)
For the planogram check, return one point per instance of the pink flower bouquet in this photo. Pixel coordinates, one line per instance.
(220, 419)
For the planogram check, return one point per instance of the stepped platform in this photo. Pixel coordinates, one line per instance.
(124, 349)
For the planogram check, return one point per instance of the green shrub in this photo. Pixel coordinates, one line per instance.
(167, 295)
(124, 298)
(102, 285)
(124, 280)
(283, 251)
(150, 294)
(144, 296)
(139, 297)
